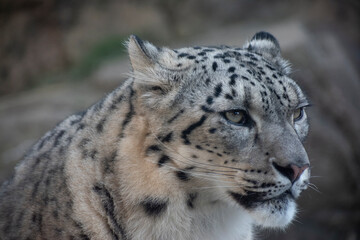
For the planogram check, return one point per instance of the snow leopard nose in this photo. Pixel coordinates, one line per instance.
(291, 171)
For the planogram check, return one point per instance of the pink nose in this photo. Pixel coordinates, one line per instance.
(297, 171)
(291, 171)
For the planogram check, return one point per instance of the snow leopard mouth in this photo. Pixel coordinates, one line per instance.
(254, 199)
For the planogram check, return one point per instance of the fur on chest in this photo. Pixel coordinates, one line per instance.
(192, 221)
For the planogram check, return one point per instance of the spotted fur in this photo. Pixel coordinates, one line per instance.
(158, 158)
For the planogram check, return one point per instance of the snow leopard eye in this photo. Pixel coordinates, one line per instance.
(298, 114)
(237, 117)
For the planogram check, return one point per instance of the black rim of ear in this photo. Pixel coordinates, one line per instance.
(262, 35)
(140, 43)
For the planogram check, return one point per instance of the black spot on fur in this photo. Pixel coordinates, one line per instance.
(270, 67)
(218, 90)
(58, 137)
(109, 207)
(192, 127)
(207, 81)
(176, 116)
(130, 113)
(167, 138)
(214, 66)
(232, 79)
(209, 100)
(109, 162)
(93, 154)
(212, 130)
(206, 109)
(153, 148)
(231, 69)
(191, 199)
(181, 55)
(154, 206)
(191, 57)
(83, 143)
(183, 176)
(229, 97)
(100, 125)
(163, 159)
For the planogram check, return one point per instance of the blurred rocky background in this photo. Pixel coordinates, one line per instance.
(59, 56)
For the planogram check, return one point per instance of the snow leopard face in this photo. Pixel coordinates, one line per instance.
(228, 119)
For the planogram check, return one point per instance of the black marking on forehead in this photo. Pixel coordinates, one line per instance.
(229, 97)
(154, 206)
(209, 100)
(247, 98)
(207, 81)
(214, 66)
(231, 69)
(233, 92)
(218, 90)
(191, 128)
(232, 79)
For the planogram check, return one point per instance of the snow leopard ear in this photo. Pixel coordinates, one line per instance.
(266, 44)
(153, 73)
(142, 54)
(152, 66)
